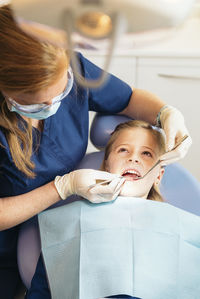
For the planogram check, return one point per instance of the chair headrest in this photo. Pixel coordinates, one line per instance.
(102, 126)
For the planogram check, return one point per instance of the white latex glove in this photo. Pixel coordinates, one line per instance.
(172, 122)
(83, 183)
(176, 154)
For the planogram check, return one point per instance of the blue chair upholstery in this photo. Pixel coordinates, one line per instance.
(179, 188)
(28, 250)
(102, 126)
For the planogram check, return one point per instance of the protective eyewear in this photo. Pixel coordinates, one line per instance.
(35, 108)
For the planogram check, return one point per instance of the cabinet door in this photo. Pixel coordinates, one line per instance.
(177, 82)
(122, 67)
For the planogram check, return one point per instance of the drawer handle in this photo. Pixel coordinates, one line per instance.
(178, 76)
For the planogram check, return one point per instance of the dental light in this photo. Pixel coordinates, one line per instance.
(102, 19)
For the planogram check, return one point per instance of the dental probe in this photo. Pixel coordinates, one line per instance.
(103, 182)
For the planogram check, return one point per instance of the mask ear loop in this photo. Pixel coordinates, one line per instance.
(8, 103)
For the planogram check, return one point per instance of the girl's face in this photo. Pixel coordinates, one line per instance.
(132, 154)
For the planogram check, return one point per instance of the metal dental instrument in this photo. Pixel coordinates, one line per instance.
(102, 182)
(160, 160)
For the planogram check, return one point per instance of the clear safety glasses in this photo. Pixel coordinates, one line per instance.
(35, 108)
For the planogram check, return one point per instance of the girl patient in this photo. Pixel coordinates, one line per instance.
(133, 148)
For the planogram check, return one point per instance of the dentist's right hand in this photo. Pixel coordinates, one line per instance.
(83, 183)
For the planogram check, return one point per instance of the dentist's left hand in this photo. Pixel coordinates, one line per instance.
(176, 154)
(80, 181)
(173, 124)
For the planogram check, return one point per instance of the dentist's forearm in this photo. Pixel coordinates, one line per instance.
(17, 209)
(143, 105)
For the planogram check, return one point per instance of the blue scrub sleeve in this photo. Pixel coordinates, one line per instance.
(110, 98)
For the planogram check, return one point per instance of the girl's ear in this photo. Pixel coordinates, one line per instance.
(159, 177)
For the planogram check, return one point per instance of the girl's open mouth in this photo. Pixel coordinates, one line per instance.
(131, 174)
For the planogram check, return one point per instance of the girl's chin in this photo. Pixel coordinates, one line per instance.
(132, 189)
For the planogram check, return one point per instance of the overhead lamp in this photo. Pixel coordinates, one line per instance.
(100, 19)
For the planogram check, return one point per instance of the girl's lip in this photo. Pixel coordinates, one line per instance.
(130, 173)
(132, 170)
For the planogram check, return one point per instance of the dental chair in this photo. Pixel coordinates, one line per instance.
(178, 188)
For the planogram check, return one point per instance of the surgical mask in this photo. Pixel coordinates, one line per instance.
(42, 111)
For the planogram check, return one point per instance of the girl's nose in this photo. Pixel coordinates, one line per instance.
(133, 159)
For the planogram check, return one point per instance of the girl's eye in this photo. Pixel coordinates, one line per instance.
(148, 154)
(122, 149)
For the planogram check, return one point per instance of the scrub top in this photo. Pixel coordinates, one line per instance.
(62, 144)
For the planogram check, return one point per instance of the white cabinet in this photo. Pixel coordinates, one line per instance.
(177, 82)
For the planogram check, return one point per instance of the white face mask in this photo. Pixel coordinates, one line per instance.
(42, 111)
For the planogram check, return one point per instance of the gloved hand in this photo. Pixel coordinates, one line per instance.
(83, 182)
(172, 122)
(175, 154)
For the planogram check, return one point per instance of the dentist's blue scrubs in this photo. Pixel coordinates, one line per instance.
(62, 145)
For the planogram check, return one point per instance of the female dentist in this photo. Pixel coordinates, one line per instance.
(44, 131)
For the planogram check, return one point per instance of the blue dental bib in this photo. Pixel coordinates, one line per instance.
(132, 246)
